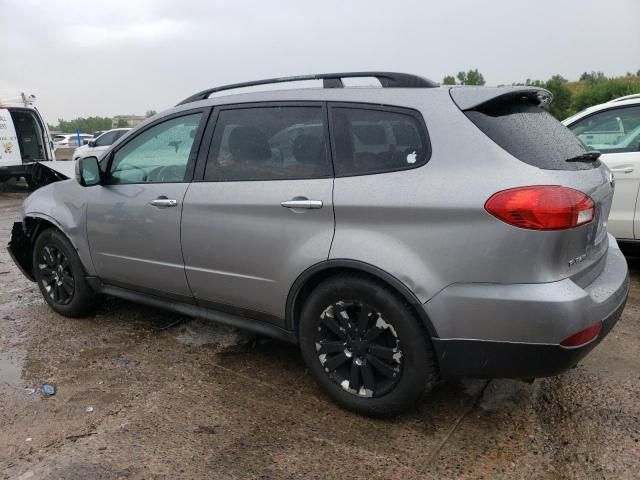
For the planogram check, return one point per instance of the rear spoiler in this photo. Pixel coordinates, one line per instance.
(469, 98)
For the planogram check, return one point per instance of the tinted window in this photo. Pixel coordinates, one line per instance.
(530, 134)
(159, 154)
(371, 141)
(268, 143)
(612, 131)
(107, 139)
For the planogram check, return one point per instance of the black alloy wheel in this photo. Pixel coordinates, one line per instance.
(60, 275)
(364, 345)
(358, 349)
(55, 271)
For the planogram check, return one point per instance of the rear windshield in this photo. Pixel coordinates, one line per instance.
(530, 134)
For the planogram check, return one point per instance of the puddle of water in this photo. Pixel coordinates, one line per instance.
(10, 368)
(202, 332)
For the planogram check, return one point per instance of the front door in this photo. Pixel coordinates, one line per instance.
(262, 212)
(133, 219)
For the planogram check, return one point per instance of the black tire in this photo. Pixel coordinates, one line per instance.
(61, 276)
(379, 324)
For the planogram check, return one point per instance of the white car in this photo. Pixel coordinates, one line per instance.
(99, 144)
(613, 128)
(24, 138)
(70, 140)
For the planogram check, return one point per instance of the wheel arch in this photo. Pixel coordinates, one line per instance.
(319, 272)
(32, 226)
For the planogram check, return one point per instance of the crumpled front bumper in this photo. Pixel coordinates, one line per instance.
(20, 250)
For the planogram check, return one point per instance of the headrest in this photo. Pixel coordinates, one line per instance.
(249, 144)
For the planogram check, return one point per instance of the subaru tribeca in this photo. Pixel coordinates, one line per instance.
(399, 234)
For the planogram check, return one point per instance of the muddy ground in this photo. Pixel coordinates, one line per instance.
(143, 393)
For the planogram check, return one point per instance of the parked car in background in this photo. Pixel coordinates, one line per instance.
(613, 128)
(24, 138)
(70, 140)
(368, 225)
(98, 145)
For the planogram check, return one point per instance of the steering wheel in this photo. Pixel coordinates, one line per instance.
(170, 173)
(133, 167)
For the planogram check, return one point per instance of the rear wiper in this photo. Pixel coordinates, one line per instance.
(590, 156)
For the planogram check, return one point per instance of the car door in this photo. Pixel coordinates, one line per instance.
(261, 212)
(133, 218)
(621, 153)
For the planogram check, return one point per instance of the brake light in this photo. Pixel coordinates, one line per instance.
(542, 207)
(583, 336)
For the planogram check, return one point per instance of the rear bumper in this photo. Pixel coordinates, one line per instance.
(514, 331)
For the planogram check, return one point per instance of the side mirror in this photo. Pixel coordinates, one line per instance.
(88, 171)
(92, 143)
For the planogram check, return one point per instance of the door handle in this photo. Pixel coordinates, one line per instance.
(302, 203)
(163, 202)
(622, 170)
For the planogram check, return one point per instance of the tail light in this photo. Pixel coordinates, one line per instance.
(583, 336)
(542, 207)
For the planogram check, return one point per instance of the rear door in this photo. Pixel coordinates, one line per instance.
(621, 153)
(133, 218)
(262, 211)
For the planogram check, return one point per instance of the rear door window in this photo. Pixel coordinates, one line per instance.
(611, 131)
(375, 140)
(530, 134)
(269, 143)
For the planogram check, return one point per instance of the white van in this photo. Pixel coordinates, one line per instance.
(24, 138)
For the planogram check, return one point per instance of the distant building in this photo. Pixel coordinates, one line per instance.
(126, 120)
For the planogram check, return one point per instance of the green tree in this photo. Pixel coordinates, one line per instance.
(471, 77)
(561, 105)
(592, 77)
(449, 80)
(559, 78)
(86, 125)
(150, 113)
(604, 90)
(122, 123)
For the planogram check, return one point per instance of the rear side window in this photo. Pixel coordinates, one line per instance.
(611, 131)
(268, 143)
(368, 140)
(530, 134)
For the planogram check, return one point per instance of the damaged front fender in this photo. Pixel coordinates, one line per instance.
(44, 173)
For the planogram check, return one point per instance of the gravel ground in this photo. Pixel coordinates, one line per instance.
(142, 393)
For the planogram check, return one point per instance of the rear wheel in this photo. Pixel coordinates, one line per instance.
(60, 275)
(364, 345)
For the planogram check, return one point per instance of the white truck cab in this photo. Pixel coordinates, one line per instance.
(24, 138)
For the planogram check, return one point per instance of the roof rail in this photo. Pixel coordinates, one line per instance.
(330, 80)
(626, 97)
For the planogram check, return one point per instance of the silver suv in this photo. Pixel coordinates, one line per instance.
(399, 234)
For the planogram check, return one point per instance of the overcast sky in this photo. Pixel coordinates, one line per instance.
(113, 57)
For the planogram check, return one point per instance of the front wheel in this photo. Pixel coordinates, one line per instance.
(60, 275)
(364, 345)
